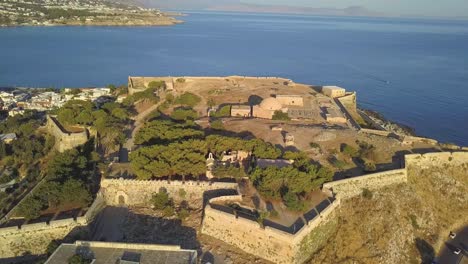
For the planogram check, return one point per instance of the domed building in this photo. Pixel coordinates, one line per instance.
(266, 109)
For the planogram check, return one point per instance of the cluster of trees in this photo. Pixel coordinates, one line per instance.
(55, 13)
(364, 155)
(163, 131)
(184, 114)
(67, 183)
(30, 145)
(188, 99)
(148, 94)
(291, 183)
(174, 154)
(109, 121)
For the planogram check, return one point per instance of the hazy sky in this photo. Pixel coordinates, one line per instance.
(405, 7)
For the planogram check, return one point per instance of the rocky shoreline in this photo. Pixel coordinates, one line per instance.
(389, 125)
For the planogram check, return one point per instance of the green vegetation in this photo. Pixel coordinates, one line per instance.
(224, 111)
(279, 115)
(349, 150)
(217, 124)
(180, 80)
(366, 193)
(68, 181)
(148, 95)
(29, 146)
(229, 171)
(183, 114)
(162, 202)
(292, 182)
(110, 121)
(55, 13)
(78, 259)
(157, 85)
(315, 146)
(187, 157)
(164, 131)
(188, 99)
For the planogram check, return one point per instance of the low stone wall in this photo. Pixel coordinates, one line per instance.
(351, 187)
(383, 133)
(408, 140)
(136, 192)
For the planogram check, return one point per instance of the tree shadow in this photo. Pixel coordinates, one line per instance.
(426, 251)
(255, 99)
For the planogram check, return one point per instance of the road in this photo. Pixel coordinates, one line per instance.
(447, 256)
(139, 122)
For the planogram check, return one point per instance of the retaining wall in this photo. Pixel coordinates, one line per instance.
(136, 192)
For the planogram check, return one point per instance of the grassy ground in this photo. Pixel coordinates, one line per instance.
(400, 224)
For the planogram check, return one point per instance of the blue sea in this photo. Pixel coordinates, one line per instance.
(414, 71)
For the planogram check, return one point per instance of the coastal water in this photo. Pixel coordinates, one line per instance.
(413, 71)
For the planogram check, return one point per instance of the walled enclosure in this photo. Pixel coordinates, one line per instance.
(281, 247)
(65, 140)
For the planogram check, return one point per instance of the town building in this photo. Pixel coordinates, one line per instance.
(241, 110)
(8, 138)
(334, 115)
(333, 91)
(112, 253)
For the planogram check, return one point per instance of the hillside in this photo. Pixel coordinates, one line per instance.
(81, 12)
(402, 224)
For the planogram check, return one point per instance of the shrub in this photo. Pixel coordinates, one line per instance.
(183, 214)
(366, 193)
(157, 85)
(170, 98)
(279, 115)
(180, 80)
(224, 111)
(339, 164)
(349, 150)
(314, 145)
(168, 211)
(182, 114)
(369, 166)
(77, 259)
(292, 202)
(188, 99)
(182, 193)
(161, 200)
(217, 125)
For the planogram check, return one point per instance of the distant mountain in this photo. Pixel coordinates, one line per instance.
(239, 6)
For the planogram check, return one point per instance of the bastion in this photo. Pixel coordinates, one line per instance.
(64, 139)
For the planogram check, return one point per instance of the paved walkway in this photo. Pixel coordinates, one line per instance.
(447, 256)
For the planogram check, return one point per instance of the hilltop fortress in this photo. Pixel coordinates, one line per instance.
(316, 114)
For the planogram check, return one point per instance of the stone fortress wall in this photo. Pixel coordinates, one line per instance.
(283, 247)
(136, 192)
(139, 83)
(265, 241)
(33, 238)
(65, 140)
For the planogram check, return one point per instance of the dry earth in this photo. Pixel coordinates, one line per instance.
(401, 224)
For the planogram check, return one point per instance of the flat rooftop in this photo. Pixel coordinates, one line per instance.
(112, 253)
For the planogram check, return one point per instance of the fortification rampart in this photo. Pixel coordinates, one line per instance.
(351, 187)
(436, 159)
(34, 238)
(65, 140)
(136, 192)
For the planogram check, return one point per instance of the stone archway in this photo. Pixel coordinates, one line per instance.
(121, 199)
